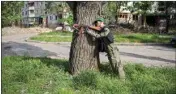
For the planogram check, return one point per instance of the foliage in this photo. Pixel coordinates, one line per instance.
(125, 38)
(50, 76)
(54, 37)
(54, 7)
(58, 8)
(110, 10)
(142, 38)
(11, 12)
(142, 6)
(69, 19)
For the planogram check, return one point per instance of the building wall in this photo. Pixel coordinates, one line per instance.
(31, 14)
(38, 12)
(52, 20)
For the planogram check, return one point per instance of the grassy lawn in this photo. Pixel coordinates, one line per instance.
(29, 75)
(54, 37)
(120, 38)
(142, 38)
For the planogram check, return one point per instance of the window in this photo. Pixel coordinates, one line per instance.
(23, 13)
(31, 11)
(31, 19)
(123, 15)
(26, 13)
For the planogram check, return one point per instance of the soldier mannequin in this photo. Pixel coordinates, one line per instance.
(112, 51)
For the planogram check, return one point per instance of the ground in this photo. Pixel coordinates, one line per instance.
(26, 74)
(147, 55)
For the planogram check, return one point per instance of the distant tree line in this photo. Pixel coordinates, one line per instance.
(11, 12)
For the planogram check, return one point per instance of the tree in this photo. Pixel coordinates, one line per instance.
(142, 7)
(11, 12)
(84, 52)
(169, 7)
(68, 19)
(111, 10)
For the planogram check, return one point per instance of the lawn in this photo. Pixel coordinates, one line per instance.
(27, 75)
(120, 38)
(54, 37)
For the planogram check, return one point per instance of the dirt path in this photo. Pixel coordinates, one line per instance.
(147, 55)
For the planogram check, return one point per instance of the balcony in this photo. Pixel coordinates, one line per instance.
(31, 15)
(31, 8)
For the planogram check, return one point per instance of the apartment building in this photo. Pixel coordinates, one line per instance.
(34, 13)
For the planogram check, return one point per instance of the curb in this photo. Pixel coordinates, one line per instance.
(121, 44)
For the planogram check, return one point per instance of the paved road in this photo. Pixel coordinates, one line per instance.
(147, 55)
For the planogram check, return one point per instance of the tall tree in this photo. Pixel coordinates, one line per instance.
(142, 7)
(11, 12)
(84, 53)
(111, 10)
(169, 8)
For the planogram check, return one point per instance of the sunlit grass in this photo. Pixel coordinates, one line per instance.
(29, 75)
(142, 38)
(119, 38)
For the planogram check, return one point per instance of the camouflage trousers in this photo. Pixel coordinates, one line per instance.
(115, 61)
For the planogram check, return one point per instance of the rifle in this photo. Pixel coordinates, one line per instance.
(81, 27)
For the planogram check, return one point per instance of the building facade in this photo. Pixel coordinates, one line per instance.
(157, 12)
(34, 13)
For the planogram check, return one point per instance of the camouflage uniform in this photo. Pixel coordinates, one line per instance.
(111, 50)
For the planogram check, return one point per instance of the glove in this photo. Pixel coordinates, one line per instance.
(75, 25)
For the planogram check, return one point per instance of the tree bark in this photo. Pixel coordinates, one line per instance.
(144, 22)
(118, 5)
(84, 52)
(167, 17)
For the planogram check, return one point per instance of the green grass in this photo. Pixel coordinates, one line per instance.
(54, 37)
(121, 38)
(142, 38)
(29, 75)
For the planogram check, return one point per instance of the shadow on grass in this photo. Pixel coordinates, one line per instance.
(64, 65)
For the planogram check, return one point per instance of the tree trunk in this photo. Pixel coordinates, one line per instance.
(167, 18)
(13, 24)
(144, 22)
(84, 53)
(44, 22)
